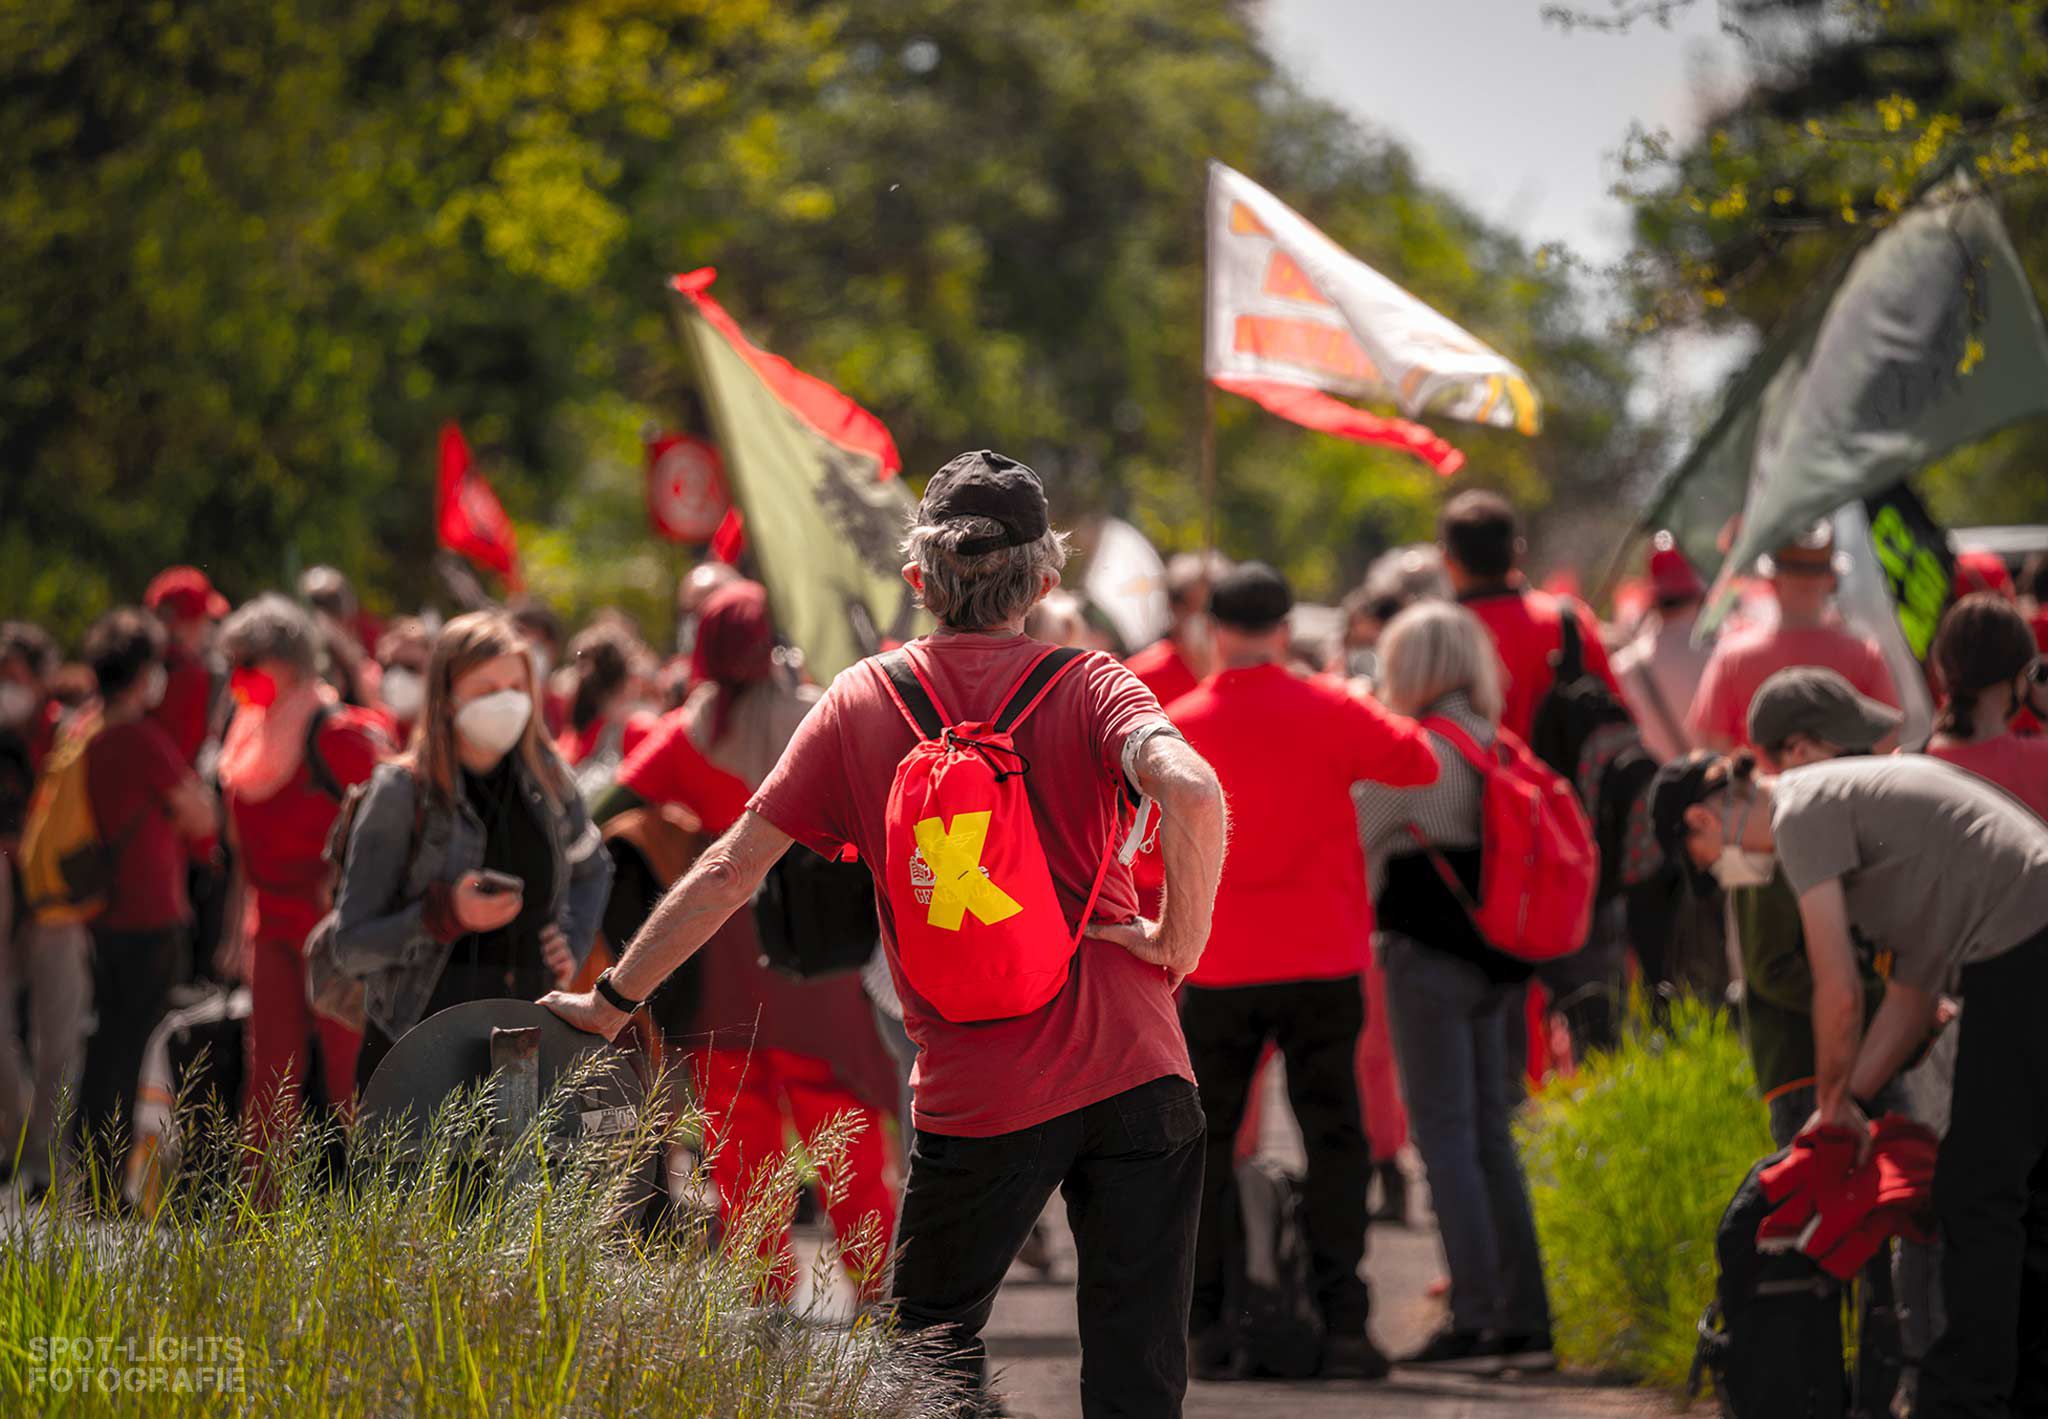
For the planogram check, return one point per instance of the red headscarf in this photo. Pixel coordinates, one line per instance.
(735, 645)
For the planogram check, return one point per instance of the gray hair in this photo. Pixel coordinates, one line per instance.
(272, 627)
(974, 593)
(1437, 648)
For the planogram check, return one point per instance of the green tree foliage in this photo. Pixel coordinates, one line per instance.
(1852, 107)
(254, 252)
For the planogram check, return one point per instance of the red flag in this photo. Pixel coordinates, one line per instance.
(729, 542)
(470, 520)
(686, 494)
(1316, 410)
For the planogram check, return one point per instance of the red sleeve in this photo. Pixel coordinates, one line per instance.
(1385, 747)
(807, 794)
(1707, 724)
(351, 749)
(182, 712)
(1118, 703)
(638, 726)
(155, 763)
(667, 768)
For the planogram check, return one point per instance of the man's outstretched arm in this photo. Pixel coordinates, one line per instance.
(719, 883)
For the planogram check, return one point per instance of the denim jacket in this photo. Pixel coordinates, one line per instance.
(398, 848)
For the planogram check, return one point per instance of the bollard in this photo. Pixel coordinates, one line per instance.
(515, 1084)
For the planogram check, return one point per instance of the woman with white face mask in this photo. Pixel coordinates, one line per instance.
(402, 655)
(473, 871)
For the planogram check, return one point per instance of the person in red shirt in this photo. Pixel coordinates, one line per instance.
(147, 804)
(1091, 1093)
(1176, 662)
(1292, 934)
(292, 752)
(185, 601)
(1984, 655)
(1802, 577)
(1482, 546)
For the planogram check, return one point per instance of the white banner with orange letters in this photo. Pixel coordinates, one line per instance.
(1292, 313)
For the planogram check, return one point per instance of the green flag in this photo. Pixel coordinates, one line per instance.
(1933, 339)
(815, 478)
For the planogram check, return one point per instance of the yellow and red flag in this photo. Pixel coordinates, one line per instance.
(1294, 319)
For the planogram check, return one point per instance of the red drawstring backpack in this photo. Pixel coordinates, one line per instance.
(979, 932)
(1538, 866)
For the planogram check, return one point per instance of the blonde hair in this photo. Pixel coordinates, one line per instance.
(1435, 648)
(465, 643)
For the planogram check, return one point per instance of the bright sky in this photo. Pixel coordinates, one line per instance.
(1518, 118)
(1523, 121)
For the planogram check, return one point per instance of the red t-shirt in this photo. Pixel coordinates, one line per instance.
(1525, 631)
(2019, 766)
(575, 745)
(187, 701)
(668, 767)
(1163, 671)
(1114, 1025)
(279, 841)
(1738, 666)
(1292, 904)
(2040, 625)
(130, 770)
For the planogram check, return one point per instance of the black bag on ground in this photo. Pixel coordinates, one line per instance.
(1269, 1300)
(1772, 1337)
(814, 917)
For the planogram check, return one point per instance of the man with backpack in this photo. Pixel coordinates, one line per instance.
(1559, 694)
(985, 780)
(1292, 935)
(291, 755)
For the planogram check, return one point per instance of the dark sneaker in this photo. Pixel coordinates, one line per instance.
(1527, 1354)
(1353, 1357)
(1469, 1352)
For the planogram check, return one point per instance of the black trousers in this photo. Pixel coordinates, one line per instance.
(1991, 1199)
(132, 976)
(1316, 1025)
(1130, 1169)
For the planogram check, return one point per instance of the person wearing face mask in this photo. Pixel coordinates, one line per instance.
(473, 870)
(1813, 715)
(1946, 877)
(402, 655)
(1985, 656)
(148, 804)
(292, 752)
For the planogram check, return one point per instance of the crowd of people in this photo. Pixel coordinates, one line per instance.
(1242, 850)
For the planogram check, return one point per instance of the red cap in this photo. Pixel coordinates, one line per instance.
(1671, 575)
(1981, 569)
(184, 594)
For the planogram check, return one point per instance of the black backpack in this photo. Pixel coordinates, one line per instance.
(1771, 1339)
(1577, 705)
(814, 917)
(1582, 730)
(1269, 1303)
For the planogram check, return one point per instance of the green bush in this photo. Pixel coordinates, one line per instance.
(1631, 1162)
(435, 1282)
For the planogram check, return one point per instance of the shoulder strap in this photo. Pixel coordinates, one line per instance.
(1468, 747)
(1033, 686)
(908, 689)
(316, 765)
(1571, 654)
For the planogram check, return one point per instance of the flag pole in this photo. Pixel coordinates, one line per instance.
(1208, 468)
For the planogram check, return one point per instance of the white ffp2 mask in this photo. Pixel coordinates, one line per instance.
(493, 723)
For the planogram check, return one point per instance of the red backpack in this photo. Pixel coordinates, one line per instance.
(1538, 866)
(979, 932)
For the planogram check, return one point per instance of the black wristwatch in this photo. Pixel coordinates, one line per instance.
(624, 1004)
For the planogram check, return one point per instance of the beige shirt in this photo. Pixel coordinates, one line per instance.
(1659, 671)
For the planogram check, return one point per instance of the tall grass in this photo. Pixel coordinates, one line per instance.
(1631, 1162)
(436, 1281)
